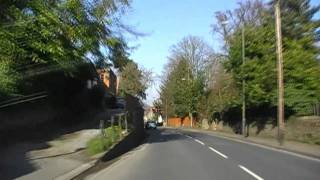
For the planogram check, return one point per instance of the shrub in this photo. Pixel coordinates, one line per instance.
(101, 143)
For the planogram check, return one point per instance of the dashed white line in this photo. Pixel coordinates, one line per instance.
(224, 156)
(188, 136)
(200, 142)
(250, 172)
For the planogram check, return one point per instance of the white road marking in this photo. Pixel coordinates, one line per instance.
(268, 147)
(198, 141)
(224, 156)
(188, 136)
(250, 172)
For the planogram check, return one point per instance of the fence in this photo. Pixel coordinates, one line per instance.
(120, 119)
(180, 122)
(316, 109)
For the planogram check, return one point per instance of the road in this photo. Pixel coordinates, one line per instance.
(175, 154)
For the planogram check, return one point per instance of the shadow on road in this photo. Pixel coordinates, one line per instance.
(162, 135)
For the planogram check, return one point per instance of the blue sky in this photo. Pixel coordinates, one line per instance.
(166, 22)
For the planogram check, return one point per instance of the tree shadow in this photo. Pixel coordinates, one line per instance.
(16, 148)
(256, 116)
(232, 118)
(163, 136)
(260, 117)
(15, 162)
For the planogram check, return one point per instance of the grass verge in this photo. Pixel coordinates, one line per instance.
(102, 143)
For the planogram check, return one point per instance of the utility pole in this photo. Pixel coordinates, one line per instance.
(243, 84)
(190, 112)
(280, 74)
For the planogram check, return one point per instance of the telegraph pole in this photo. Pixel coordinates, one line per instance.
(243, 84)
(280, 74)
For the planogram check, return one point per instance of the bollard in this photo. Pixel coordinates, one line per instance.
(102, 128)
(112, 134)
(119, 121)
(126, 122)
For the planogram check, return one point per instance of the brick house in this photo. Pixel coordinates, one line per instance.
(109, 80)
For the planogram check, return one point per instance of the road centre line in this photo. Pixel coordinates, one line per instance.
(250, 172)
(224, 156)
(188, 136)
(200, 142)
(211, 148)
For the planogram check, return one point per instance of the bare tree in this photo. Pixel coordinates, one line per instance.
(249, 12)
(194, 50)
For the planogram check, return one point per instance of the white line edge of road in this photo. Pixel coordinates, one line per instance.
(250, 172)
(274, 149)
(267, 147)
(224, 156)
(200, 142)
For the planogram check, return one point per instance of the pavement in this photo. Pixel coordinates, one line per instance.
(45, 160)
(187, 155)
(59, 157)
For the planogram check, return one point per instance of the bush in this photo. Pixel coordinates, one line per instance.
(101, 143)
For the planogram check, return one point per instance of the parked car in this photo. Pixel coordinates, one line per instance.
(151, 125)
(159, 123)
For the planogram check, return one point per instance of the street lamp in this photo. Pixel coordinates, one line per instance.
(243, 80)
(190, 114)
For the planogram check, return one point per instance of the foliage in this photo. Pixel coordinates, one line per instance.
(8, 79)
(259, 68)
(134, 80)
(60, 33)
(220, 97)
(210, 85)
(184, 84)
(301, 67)
(99, 144)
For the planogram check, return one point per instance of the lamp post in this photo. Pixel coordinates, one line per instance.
(243, 80)
(166, 112)
(243, 85)
(190, 114)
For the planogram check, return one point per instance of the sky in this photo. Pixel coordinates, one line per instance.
(165, 23)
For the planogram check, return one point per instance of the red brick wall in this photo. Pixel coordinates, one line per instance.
(109, 79)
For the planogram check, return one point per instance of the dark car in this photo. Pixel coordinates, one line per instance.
(151, 125)
(159, 123)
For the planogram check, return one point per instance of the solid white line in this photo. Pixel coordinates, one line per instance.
(250, 172)
(200, 142)
(218, 152)
(268, 147)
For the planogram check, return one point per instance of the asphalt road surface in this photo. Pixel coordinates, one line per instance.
(181, 155)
